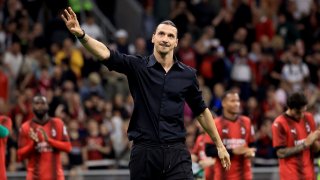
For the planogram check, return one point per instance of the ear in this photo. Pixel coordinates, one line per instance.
(152, 39)
(176, 44)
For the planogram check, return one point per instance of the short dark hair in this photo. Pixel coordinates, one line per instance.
(225, 94)
(167, 22)
(297, 101)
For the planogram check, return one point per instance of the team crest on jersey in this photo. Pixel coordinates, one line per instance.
(65, 130)
(308, 128)
(226, 131)
(53, 133)
(293, 131)
(243, 130)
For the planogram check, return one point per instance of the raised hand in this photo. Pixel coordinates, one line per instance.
(33, 135)
(71, 21)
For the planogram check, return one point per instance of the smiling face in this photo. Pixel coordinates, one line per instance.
(231, 103)
(165, 39)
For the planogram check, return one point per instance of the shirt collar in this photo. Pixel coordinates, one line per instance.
(152, 61)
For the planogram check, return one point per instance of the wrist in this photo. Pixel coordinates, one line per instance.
(82, 35)
(304, 145)
(221, 147)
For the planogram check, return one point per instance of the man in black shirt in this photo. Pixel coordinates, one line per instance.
(159, 85)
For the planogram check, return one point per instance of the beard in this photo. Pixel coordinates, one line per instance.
(40, 114)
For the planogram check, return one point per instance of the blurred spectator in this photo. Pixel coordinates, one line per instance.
(264, 142)
(242, 73)
(181, 17)
(122, 44)
(216, 104)
(313, 62)
(72, 55)
(93, 107)
(13, 61)
(252, 109)
(95, 148)
(204, 12)
(206, 41)
(139, 47)
(76, 162)
(271, 107)
(91, 85)
(221, 66)
(264, 26)
(294, 72)
(224, 27)
(4, 82)
(242, 15)
(309, 25)
(287, 29)
(149, 21)
(91, 28)
(186, 52)
(239, 40)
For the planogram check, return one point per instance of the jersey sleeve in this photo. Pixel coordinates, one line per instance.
(279, 135)
(62, 141)
(25, 144)
(311, 121)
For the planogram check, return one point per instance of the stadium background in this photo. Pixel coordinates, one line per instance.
(265, 49)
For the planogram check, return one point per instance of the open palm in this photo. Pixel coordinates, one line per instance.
(71, 21)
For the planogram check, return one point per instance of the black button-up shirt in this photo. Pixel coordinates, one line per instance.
(159, 97)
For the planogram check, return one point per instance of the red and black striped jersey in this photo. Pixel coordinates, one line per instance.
(235, 133)
(44, 157)
(288, 132)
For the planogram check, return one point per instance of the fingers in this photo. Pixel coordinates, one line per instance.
(72, 13)
(228, 164)
(44, 134)
(33, 135)
(67, 14)
(63, 18)
(225, 161)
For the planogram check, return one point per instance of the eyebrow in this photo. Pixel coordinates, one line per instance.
(170, 34)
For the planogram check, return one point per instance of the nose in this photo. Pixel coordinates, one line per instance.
(165, 39)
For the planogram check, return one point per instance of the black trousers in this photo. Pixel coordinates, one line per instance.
(160, 162)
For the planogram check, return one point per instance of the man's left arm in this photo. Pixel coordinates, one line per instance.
(207, 122)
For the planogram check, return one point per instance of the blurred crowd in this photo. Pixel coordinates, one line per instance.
(265, 49)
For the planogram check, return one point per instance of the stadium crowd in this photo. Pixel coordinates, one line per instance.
(264, 49)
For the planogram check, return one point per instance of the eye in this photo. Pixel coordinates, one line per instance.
(171, 36)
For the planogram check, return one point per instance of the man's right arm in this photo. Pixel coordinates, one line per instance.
(290, 151)
(25, 144)
(95, 47)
